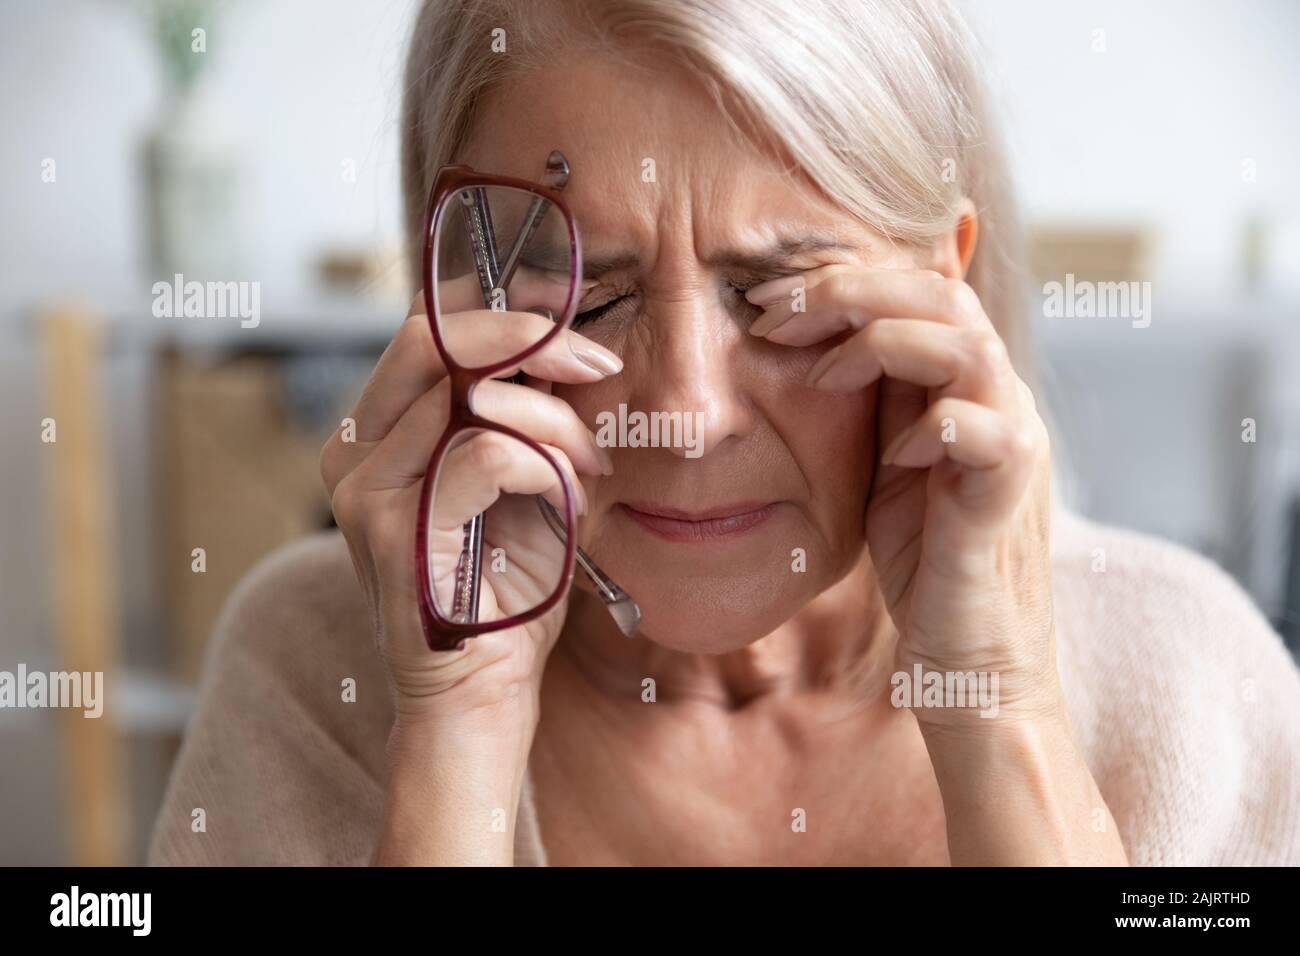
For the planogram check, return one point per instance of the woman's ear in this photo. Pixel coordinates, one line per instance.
(953, 251)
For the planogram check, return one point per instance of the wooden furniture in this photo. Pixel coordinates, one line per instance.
(85, 582)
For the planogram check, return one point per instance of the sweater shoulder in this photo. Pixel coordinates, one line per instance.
(300, 621)
(1150, 601)
(1183, 697)
(300, 603)
(285, 751)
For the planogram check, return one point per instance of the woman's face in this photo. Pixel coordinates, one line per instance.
(688, 216)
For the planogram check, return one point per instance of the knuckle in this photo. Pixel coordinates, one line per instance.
(413, 333)
(489, 453)
(1022, 441)
(989, 353)
(413, 323)
(960, 299)
(348, 505)
(838, 286)
(329, 464)
(417, 306)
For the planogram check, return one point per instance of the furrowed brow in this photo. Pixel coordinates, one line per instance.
(775, 256)
(779, 253)
(544, 255)
(595, 266)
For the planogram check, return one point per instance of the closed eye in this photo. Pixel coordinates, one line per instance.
(739, 285)
(592, 315)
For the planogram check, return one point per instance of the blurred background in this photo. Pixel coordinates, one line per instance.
(1155, 142)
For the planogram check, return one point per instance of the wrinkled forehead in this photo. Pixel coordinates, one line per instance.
(648, 151)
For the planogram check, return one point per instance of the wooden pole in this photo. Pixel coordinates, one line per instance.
(85, 581)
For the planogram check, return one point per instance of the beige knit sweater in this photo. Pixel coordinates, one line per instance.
(1185, 702)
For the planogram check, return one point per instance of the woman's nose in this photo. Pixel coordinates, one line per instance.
(692, 368)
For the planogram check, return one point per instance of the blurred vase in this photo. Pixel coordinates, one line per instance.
(193, 190)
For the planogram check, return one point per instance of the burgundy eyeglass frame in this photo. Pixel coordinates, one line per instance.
(440, 633)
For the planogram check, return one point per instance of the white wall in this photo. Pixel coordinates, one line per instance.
(309, 83)
(1156, 128)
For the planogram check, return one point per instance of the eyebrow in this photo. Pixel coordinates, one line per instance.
(762, 259)
(780, 252)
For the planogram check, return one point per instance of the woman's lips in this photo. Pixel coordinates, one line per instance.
(711, 525)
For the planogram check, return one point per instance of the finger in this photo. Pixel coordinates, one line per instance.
(484, 337)
(411, 365)
(839, 299)
(458, 293)
(993, 453)
(402, 457)
(970, 363)
(546, 419)
(479, 470)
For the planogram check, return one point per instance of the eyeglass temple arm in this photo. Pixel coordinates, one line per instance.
(621, 607)
(556, 177)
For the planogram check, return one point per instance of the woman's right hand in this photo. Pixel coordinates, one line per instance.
(375, 483)
(464, 719)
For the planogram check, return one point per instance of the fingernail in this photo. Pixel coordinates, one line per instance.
(579, 499)
(825, 362)
(594, 356)
(892, 449)
(770, 320)
(765, 293)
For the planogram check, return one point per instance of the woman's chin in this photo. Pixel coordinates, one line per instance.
(715, 617)
(716, 595)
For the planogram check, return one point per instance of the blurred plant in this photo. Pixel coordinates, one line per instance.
(190, 162)
(172, 24)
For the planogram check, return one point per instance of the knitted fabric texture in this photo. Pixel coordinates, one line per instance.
(1184, 701)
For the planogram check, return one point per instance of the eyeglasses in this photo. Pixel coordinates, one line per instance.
(498, 244)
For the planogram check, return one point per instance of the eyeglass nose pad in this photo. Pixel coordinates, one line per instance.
(542, 311)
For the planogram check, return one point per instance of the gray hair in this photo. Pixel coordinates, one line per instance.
(881, 103)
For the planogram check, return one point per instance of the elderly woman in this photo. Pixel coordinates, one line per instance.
(795, 234)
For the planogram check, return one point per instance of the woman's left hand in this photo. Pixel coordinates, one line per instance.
(957, 527)
(957, 520)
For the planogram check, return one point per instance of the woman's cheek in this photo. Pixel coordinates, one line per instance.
(832, 437)
(790, 366)
(588, 401)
